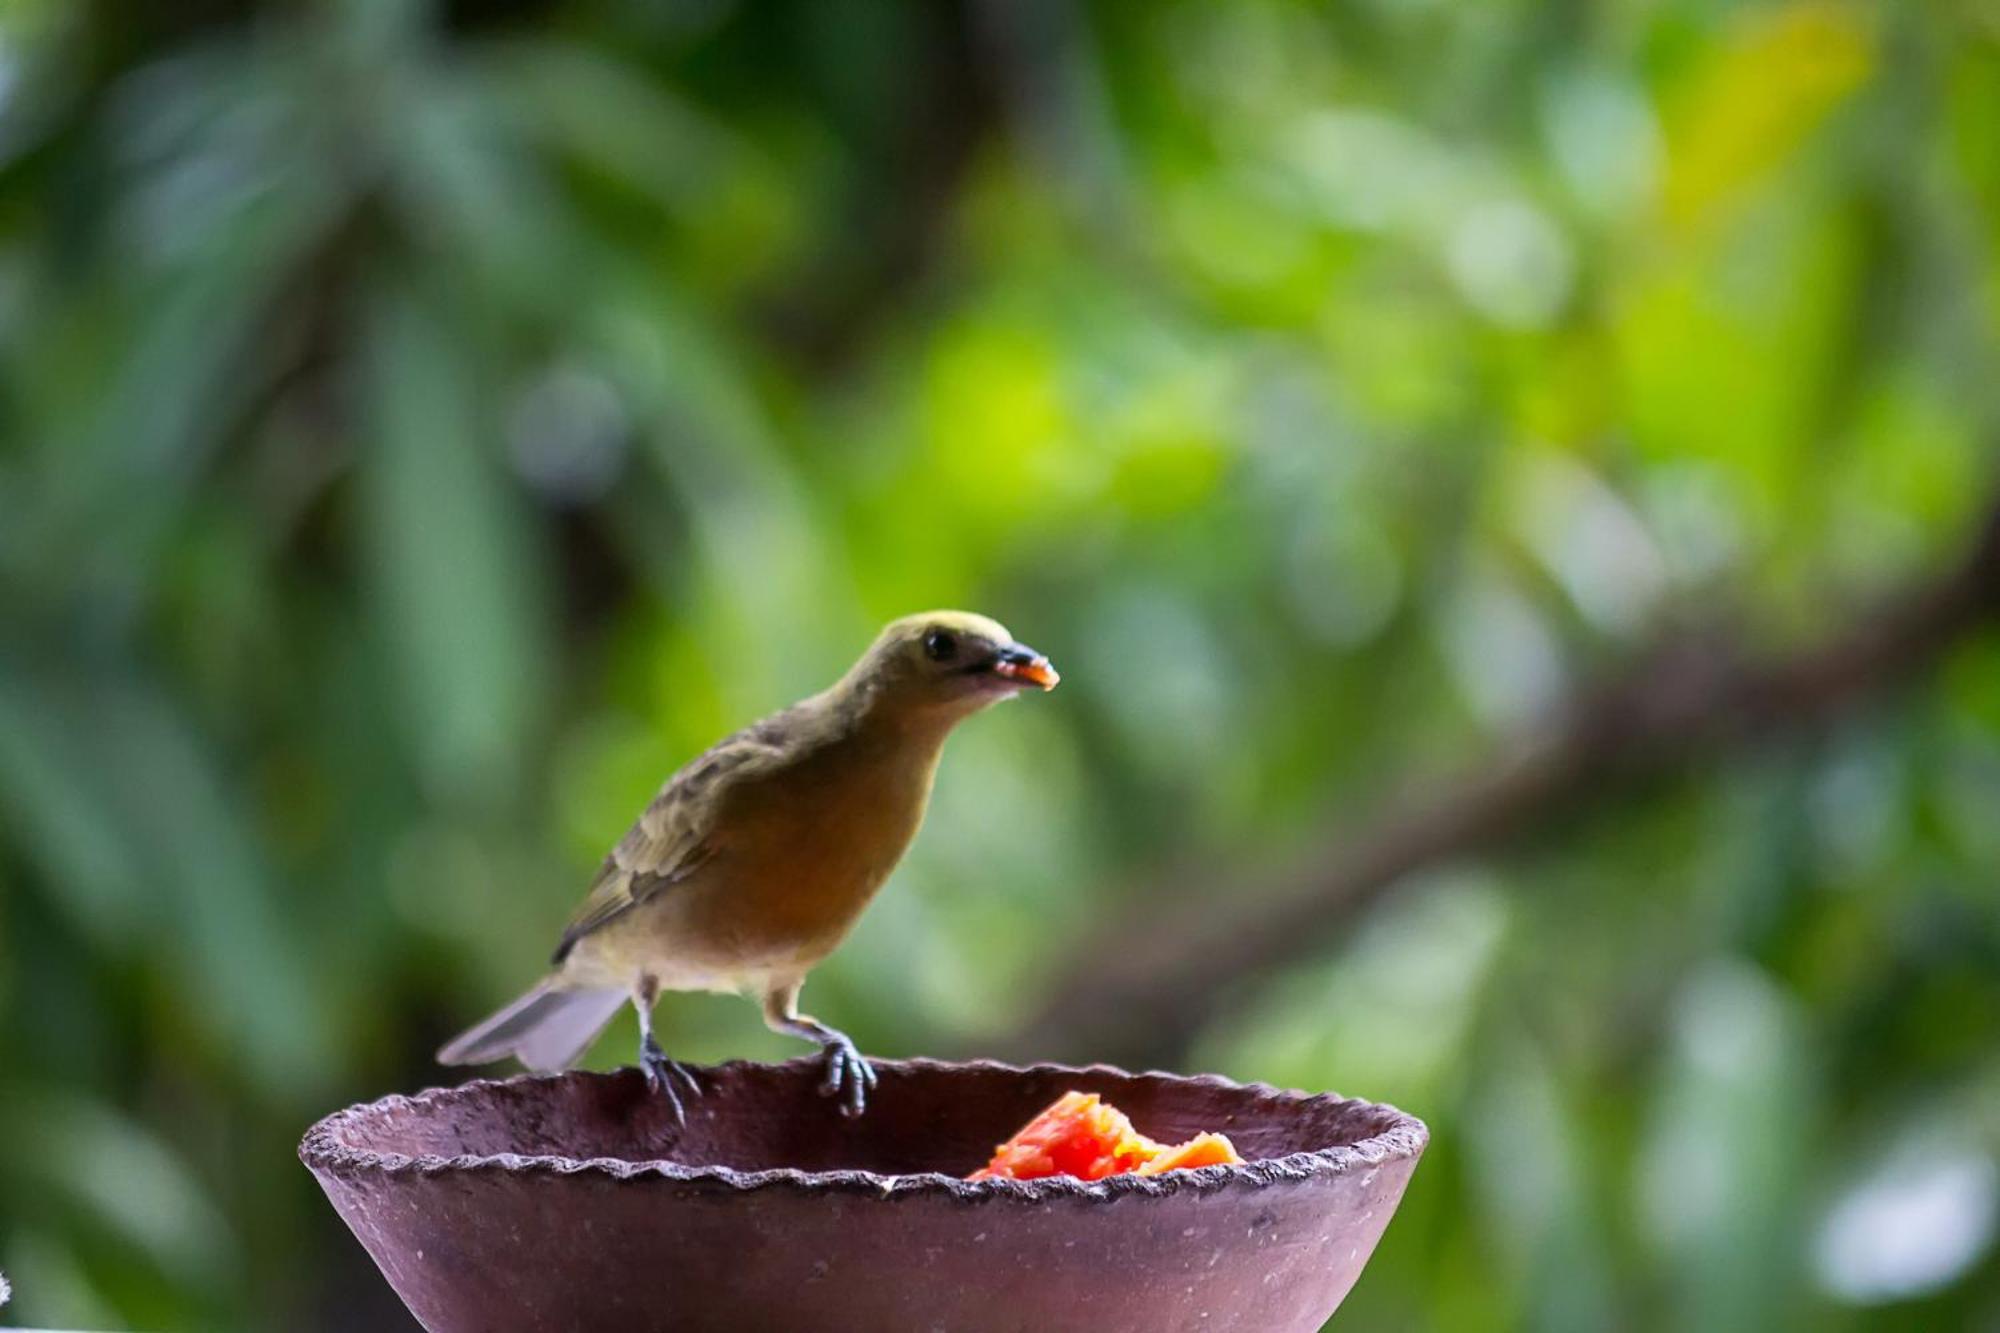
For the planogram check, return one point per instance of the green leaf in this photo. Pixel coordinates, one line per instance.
(1724, 1164)
(452, 559)
(119, 1173)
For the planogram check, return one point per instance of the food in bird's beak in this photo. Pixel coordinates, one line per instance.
(1027, 665)
(1084, 1136)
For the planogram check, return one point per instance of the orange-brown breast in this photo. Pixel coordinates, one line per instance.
(806, 850)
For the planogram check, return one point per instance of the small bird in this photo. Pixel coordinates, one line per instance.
(754, 861)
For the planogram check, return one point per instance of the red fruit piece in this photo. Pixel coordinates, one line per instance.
(1082, 1135)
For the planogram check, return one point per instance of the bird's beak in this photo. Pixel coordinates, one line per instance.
(1019, 662)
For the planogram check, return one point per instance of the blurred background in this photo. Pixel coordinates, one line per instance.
(1510, 488)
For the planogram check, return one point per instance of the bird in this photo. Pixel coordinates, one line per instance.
(756, 858)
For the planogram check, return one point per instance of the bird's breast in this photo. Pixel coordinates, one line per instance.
(807, 850)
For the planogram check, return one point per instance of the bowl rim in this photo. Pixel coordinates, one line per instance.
(1403, 1137)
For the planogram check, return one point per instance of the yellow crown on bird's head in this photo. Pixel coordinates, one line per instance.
(955, 656)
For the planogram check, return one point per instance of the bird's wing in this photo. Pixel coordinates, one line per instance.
(678, 834)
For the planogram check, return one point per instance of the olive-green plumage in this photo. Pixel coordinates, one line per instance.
(754, 860)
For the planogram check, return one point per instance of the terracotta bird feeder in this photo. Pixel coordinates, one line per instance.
(575, 1201)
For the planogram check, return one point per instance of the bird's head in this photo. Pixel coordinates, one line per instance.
(951, 661)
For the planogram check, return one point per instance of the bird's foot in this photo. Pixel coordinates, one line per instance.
(660, 1075)
(848, 1075)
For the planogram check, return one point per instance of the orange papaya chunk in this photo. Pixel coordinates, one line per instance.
(1201, 1150)
(1082, 1135)
(1078, 1135)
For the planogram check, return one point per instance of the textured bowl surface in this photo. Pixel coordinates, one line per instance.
(574, 1201)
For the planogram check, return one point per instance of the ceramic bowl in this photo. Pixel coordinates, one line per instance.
(575, 1201)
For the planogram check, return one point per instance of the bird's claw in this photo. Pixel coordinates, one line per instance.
(848, 1076)
(660, 1075)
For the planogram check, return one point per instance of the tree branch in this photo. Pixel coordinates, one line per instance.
(1137, 998)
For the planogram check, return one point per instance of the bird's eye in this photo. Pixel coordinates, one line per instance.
(940, 645)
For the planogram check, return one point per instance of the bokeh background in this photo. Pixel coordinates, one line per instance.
(1498, 479)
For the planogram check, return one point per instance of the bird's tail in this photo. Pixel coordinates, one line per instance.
(545, 1029)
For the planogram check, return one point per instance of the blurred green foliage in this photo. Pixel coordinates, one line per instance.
(421, 428)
